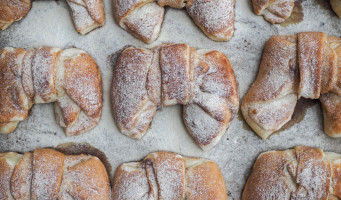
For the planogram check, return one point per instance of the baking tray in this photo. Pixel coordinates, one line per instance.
(49, 24)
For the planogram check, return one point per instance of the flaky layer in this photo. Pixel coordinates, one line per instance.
(87, 15)
(299, 173)
(164, 175)
(49, 174)
(70, 78)
(143, 18)
(202, 81)
(306, 65)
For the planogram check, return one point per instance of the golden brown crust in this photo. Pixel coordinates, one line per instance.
(274, 11)
(179, 4)
(215, 102)
(122, 9)
(82, 76)
(331, 104)
(47, 173)
(269, 174)
(306, 65)
(68, 77)
(300, 173)
(14, 104)
(337, 178)
(130, 76)
(96, 10)
(277, 76)
(94, 178)
(161, 175)
(44, 73)
(135, 175)
(175, 73)
(215, 18)
(13, 10)
(9, 127)
(7, 164)
(145, 23)
(172, 74)
(211, 184)
(87, 14)
(310, 52)
(169, 171)
(21, 178)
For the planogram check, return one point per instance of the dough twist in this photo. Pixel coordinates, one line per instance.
(306, 65)
(203, 81)
(68, 77)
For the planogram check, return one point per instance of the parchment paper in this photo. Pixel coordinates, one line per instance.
(49, 24)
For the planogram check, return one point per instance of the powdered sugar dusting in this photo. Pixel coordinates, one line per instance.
(310, 47)
(214, 17)
(87, 14)
(239, 147)
(129, 85)
(275, 12)
(166, 173)
(215, 91)
(37, 78)
(175, 73)
(302, 173)
(145, 22)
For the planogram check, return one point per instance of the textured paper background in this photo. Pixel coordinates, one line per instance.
(49, 24)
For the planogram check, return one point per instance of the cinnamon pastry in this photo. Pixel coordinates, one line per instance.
(299, 173)
(277, 11)
(306, 65)
(274, 11)
(87, 15)
(68, 77)
(143, 18)
(203, 81)
(49, 174)
(164, 175)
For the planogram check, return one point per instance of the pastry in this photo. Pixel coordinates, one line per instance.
(201, 80)
(303, 65)
(274, 11)
(69, 77)
(49, 174)
(87, 15)
(299, 173)
(164, 175)
(277, 11)
(143, 18)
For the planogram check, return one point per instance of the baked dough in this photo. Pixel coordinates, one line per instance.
(203, 81)
(274, 11)
(164, 175)
(49, 174)
(69, 77)
(299, 173)
(277, 11)
(302, 65)
(87, 15)
(143, 18)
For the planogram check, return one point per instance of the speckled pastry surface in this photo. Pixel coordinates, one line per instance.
(49, 24)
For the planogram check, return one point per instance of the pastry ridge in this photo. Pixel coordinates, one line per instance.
(69, 77)
(293, 66)
(203, 81)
